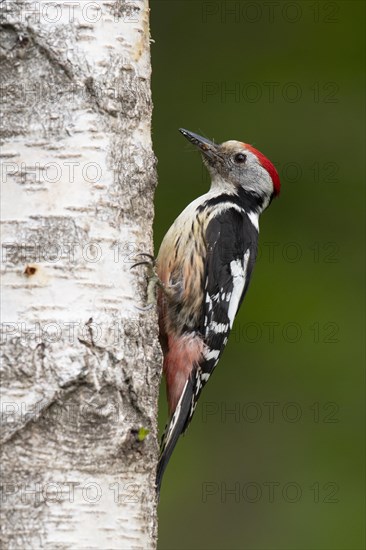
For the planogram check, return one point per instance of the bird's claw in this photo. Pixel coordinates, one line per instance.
(144, 308)
(144, 262)
(153, 281)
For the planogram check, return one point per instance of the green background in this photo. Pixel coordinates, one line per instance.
(274, 457)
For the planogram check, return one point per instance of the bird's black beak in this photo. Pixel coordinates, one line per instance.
(207, 147)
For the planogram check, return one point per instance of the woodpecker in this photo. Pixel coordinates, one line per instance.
(204, 266)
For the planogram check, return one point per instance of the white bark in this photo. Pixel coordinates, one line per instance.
(81, 364)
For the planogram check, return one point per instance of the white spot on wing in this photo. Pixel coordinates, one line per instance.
(209, 302)
(212, 354)
(254, 218)
(238, 272)
(218, 327)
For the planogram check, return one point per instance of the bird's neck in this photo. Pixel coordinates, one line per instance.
(249, 200)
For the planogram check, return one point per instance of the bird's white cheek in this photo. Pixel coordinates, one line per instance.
(259, 181)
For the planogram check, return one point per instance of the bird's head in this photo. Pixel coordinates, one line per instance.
(234, 165)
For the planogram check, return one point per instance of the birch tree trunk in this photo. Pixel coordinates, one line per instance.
(81, 363)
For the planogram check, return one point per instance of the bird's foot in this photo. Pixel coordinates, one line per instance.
(153, 280)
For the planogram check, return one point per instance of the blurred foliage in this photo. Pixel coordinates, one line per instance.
(274, 455)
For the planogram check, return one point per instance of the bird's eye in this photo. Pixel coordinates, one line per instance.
(240, 158)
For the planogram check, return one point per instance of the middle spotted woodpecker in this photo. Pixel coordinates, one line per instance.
(204, 267)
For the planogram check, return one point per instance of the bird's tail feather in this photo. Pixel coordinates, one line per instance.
(175, 427)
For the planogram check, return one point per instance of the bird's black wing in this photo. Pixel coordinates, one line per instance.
(232, 242)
